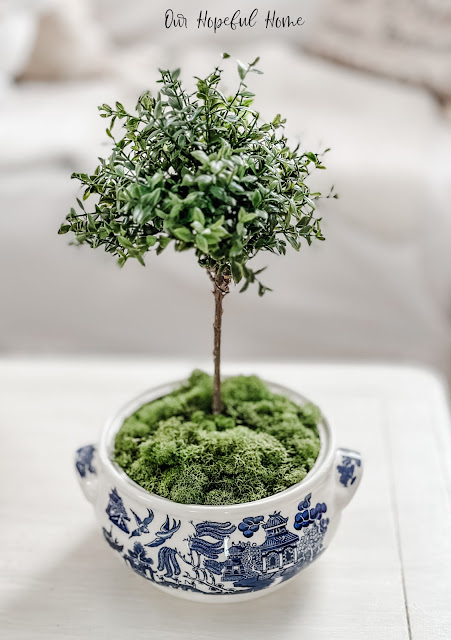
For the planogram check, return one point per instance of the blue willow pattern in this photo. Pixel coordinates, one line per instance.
(214, 563)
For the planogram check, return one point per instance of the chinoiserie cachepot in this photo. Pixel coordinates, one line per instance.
(217, 553)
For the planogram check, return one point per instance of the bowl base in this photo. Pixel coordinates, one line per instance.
(219, 599)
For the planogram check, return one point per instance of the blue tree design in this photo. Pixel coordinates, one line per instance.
(250, 525)
(219, 531)
(139, 562)
(307, 515)
(167, 561)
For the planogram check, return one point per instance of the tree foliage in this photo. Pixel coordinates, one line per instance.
(201, 171)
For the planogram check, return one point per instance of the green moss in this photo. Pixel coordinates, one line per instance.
(261, 444)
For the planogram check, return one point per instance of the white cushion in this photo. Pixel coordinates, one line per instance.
(69, 43)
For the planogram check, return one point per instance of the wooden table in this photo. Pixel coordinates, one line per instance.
(387, 574)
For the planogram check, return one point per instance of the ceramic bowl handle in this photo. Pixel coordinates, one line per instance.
(348, 473)
(86, 465)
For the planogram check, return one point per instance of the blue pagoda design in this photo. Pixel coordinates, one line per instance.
(279, 549)
(233, 566)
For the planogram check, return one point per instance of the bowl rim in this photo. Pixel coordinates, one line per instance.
(118, 476)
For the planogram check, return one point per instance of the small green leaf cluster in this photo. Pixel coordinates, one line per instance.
(261, 444)
(201, 171)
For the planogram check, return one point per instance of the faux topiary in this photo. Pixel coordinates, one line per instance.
(199, 171)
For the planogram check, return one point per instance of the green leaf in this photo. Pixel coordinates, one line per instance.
(201, 156)
(197, 226)
(204, 180)
(191, 197)
(158, 110)
(248, 217)
(237, 271)
(198, 216)
(163, 242)
(153, 198)
(182, 233)
(201, 243)
(236, 249)
(294, 243)
(262, 289)
(256, 199)
(125, 242)
(142, 214)
(242, 70)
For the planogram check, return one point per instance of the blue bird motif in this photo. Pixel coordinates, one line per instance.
(166, 531)
(143, 525)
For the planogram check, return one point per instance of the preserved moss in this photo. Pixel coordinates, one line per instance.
(261, 444)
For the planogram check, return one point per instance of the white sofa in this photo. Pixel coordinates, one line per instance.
(378, 287)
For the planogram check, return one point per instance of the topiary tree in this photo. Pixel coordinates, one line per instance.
(201, 171)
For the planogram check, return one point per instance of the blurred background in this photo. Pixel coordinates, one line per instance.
(370, 78)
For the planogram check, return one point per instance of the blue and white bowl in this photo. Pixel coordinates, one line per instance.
(217, 553)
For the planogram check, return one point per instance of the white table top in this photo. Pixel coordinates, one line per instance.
(387, 574)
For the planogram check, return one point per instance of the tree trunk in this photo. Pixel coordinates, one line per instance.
(221, 288)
